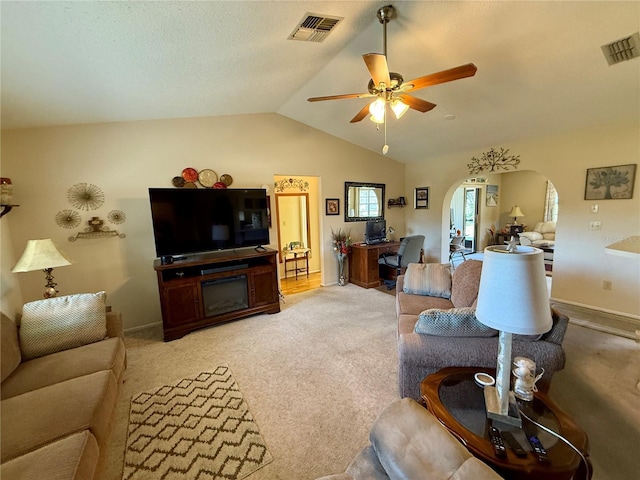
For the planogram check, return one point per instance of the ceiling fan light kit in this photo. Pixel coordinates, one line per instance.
(390, 89)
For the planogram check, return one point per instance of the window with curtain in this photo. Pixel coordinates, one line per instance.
(551, 204)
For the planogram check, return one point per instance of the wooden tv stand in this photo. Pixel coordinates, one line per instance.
(188, 296)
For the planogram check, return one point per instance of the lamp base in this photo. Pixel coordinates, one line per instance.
(492, 404)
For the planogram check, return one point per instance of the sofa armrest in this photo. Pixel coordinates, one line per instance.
(560, 323)
(114, 325)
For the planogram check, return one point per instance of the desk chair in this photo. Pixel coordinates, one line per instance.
(408, 252)
(456, 247)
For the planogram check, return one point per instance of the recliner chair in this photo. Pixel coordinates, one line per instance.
(408, 252)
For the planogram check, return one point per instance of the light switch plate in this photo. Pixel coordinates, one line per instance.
(594, 208)
(595, 225)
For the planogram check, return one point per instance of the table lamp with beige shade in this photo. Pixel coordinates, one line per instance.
(515, 213)
(42, 255)
(512, 299)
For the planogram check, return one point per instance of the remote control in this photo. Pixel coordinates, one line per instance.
(536, 444)
(514, 444)
(498, 443)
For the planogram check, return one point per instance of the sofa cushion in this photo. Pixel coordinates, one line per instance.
(73, 458)
(60, 323)
(10, 347)
(465, 283)
(454, 322)
(533, 236)
(40, 372)
(432, 279)
(34, 419)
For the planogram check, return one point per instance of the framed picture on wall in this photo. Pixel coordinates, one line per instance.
(610, 183)
(422, 197)
(333, 206)
(492, 196)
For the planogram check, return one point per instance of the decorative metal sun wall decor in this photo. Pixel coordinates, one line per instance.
(68, 218)
(282, 185)
(85, 196)
(493, 161)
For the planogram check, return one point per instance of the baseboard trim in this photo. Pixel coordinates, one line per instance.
(142, 327)
(600, 319)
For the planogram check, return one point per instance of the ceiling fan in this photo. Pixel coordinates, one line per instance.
(389, 88)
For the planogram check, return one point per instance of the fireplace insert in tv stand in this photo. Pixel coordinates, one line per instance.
(245, 279)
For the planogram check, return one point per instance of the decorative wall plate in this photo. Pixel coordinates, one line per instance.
(178, 182)
(190, 174)
(207, 177)
(226, 179)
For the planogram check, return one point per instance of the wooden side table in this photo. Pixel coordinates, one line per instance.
(454, 398)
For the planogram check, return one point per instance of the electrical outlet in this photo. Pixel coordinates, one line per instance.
(606, 284)
(595, 225)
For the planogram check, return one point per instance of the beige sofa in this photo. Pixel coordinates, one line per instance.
(422, 354)
(57, 407)
(407, 442)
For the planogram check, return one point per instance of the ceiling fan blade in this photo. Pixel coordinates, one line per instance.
(361, 114)
(377, 65)
(339, 97)
(456, 73)
(417, 103)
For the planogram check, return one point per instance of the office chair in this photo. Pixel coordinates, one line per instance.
(408, 252)
(456, 247)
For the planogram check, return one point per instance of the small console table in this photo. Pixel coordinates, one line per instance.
(217, 287)
(298, 254)
(363, 263)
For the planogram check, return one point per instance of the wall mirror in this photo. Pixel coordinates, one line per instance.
(363, 201)
(292, 212)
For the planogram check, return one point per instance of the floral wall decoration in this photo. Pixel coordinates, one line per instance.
(291, 183)
(493, 161)
(116, 216)
(68, 218)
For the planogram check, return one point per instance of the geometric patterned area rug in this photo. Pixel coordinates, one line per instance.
(197, 428)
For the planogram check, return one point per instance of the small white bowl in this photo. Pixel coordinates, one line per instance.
(484, 379)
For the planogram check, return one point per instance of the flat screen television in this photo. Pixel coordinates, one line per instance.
(195, 220)
(375, 231)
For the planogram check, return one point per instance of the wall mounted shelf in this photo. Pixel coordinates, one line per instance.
(100, 234)
(6, 209)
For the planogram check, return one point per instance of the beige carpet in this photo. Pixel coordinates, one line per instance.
(198, 427)
(317, 374)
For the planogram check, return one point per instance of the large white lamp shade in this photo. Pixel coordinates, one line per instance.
(42, 255)
(512, 298)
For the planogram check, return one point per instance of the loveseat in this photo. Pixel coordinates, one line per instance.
(449, 335)
(61, 373)
(407, 442)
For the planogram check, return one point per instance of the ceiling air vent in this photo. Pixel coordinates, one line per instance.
(621, 50)
(314, 27)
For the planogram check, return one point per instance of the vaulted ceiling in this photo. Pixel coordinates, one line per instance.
(541, 70)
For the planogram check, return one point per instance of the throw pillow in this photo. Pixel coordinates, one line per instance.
(454, 322)
(432, 279)
(61, 323)
(533, 236)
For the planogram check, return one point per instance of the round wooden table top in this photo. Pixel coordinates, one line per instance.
(452, 395)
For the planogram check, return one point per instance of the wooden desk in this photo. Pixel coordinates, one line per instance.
(363, 263)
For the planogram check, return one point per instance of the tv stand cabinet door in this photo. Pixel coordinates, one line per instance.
(180, 304)
(263, 287)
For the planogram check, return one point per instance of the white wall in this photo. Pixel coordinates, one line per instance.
(580, 262)
(124, 159)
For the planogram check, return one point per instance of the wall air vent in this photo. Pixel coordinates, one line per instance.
(621, 50)
(314, 27)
